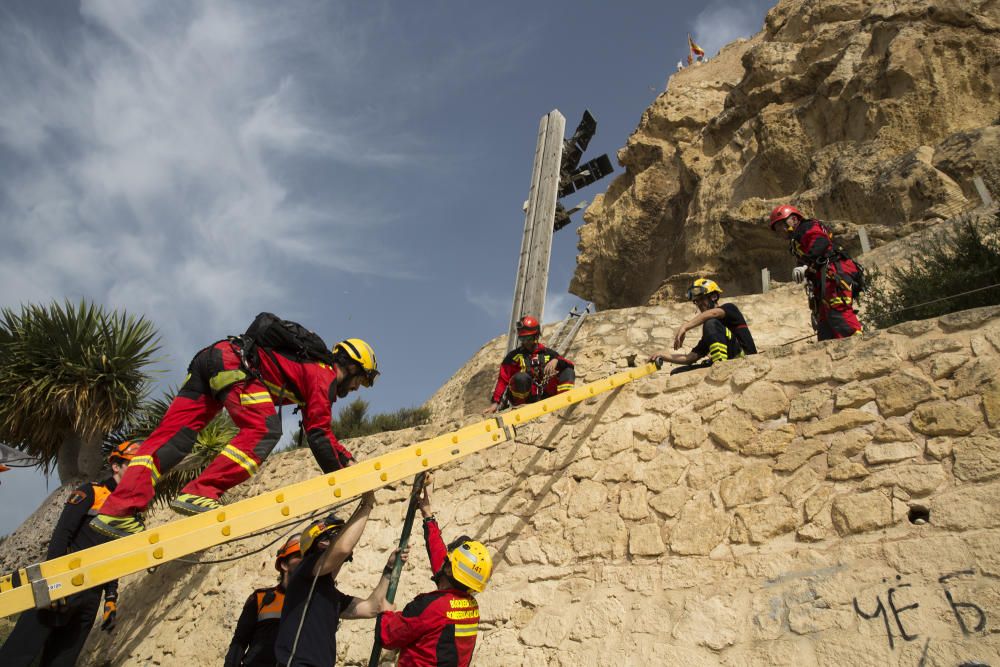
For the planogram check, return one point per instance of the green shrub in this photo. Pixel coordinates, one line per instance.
(957, 271)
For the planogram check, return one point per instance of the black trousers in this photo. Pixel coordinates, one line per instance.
(57, 636)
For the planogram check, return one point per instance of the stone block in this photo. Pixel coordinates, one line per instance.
(670, 502)
(712, 467)
(608, 441)
(847, 470)
(968, 319)
(800, 485)
(801, 370)
(817, 501)
(853, 395)
(646, 540)
(916, 480)
(545, 629)
(808, 404)
(632, 503)
(902, 391)
(927, 347)
(890, 452)
(715, 622)
(891, 431)
(929, 555)
(844, 446)
(663, 471)
(763, 401)
(754, 482)
(798, 453)
(750, 369)
(804, 619)
(972, 378)
(601, 534)
(700, 527)
(861, 512)
(587, 498)
(940, 448)
(732, 429)
(911, 328)
(991, 403)
(944, 418)
(977, 458)
(758, 523)
(687, 430)
(945, 365)
(967, 507)
(770, 442)
(838, 421)
(651, 427)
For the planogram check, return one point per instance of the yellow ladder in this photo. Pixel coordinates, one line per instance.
(40, 584)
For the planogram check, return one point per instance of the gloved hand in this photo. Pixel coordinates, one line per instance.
(110, 612)
(799, 274)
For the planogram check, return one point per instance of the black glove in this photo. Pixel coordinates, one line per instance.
(110, 612)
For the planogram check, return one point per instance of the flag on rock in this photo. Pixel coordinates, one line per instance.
(695, 49)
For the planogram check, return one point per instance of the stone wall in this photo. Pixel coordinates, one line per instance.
(831, 504)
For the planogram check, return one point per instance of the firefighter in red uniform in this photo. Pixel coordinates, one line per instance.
(440, 628)
(257, 628)
(222, 376)
(531, 371)
(58, 633)
(834, 278)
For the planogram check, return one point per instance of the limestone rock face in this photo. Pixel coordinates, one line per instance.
(873, 112)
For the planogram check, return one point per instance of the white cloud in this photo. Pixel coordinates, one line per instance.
(145, 164)
(723, 21)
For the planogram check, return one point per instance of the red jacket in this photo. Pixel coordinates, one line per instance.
(313, 387)
(812, 241)
(436, 629)
(517, 360)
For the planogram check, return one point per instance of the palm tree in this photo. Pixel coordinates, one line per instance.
(211, 439)
(69, 374)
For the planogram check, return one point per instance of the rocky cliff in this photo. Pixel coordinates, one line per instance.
(873, 112)
(830, 504)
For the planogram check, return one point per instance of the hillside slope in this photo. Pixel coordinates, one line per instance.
(758, 513)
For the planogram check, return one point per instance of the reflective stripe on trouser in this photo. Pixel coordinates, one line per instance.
(260, 429)
(722, 345)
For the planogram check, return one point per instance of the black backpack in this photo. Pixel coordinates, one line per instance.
(270, 332)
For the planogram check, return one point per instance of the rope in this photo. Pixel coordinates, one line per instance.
(916, 305)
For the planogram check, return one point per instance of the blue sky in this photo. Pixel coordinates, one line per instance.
(358, 167)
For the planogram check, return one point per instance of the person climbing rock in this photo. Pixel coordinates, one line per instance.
(835, 280)
(724, 331)
(57, 634)
(314, 606)
(275, 363)
(531, 371)
(257, 628)
(440, 627)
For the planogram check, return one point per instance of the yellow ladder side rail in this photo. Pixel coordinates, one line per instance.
(83, 569)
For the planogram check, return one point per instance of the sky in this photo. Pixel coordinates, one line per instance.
(357, 167)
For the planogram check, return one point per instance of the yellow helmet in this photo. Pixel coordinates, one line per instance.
(362, 354)
(329, 526)
(471, 565)
(702, 287)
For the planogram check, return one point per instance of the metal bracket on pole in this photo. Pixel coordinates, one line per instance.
(866, 245)
(983, 191)
(39, 586)
(507, 430)
(765, 280)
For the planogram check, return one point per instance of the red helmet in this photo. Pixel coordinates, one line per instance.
(124, 452)
(782, 212)
(528, 326)
(290, 549)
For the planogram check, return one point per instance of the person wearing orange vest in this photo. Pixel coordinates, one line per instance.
(531, 372)
(58, 633)
(440, 628)
(257, 627)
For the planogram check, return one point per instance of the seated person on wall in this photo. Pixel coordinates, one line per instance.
(834, 278)
(257, 628)
(724, 331)
(531, 371)
(56, 634)
(440, 627)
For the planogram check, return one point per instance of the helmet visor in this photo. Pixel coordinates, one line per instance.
(696, 292)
